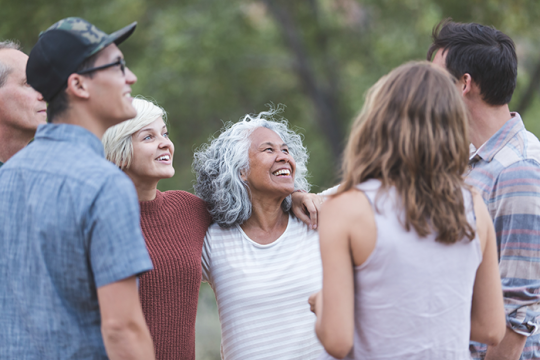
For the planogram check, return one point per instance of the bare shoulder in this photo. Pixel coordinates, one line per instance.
(351, 215)
(352, 203)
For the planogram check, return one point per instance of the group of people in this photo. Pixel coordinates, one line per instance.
(427, 249)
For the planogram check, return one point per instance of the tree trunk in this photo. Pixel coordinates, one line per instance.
(324, 98)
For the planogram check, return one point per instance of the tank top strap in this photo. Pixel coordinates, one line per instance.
(370, 188)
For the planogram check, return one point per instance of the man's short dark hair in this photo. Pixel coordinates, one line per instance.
(483, 52)
(5, 70)
(60, 103)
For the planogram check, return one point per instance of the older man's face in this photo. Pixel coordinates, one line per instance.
(21, 107)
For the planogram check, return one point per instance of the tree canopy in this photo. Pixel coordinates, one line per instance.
(211, 61)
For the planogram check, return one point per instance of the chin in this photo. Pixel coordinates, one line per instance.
(167, 175)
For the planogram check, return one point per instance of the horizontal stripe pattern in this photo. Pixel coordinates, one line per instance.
(262, 292)
(506, 170)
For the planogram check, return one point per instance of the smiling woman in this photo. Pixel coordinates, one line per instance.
(261, 262)
(173, 224)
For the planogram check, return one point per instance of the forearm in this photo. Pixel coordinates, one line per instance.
(131, 342)
(510, 348)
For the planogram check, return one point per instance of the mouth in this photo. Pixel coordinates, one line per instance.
(282, 172)
(164, 158)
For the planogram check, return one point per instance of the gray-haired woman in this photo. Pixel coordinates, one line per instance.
(261, 262)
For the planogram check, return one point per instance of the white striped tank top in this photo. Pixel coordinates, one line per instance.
(262, 292)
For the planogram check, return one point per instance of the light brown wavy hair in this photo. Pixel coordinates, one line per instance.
(412, 134)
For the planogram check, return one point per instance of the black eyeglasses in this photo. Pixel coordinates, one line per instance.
(120, 62)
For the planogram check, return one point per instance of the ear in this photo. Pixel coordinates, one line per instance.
(465, 84)
(243, 175)
(77, 85)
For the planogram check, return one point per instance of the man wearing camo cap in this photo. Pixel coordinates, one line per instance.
(70, 240)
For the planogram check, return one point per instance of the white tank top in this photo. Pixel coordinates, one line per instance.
(413, 295)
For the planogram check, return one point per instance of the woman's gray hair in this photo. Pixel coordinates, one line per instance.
(218, 165)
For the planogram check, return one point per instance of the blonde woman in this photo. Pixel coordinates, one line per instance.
(174, 224)
(408, 250)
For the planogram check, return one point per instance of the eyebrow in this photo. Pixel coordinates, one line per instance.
(272, 144)
(150, 129)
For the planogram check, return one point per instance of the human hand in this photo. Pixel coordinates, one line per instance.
(306, 207)
(313, 299)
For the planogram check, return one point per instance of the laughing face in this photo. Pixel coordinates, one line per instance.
(152, 153)
(271, 166)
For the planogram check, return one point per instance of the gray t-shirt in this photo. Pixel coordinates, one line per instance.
(69, 224)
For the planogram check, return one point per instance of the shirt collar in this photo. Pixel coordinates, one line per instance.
(495, 143)
(70, 133)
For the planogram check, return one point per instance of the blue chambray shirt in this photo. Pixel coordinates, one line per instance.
(69, 224)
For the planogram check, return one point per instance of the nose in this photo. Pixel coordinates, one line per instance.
(39, 96)
(166, 143)
(282, 157)
(130, 77)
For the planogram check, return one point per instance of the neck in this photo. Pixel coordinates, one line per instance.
(79, 115)
(267, 222)
(146, 190)
(12, 141)
(485, 121)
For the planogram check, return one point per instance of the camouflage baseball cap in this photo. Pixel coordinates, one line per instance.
(62, 48)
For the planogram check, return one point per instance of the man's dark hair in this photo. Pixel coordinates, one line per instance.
(59, 104)
(483, 52)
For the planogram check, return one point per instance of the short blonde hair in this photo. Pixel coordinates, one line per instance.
(117, 139)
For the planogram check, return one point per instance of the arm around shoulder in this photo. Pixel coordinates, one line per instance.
(123, 326)
(488, 323)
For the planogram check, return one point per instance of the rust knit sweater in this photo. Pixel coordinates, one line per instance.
(174, 225)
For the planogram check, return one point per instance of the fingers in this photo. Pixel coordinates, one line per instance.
(306, 208)
(301, 214)
(313, 299)
(311, 208)
(314, 210)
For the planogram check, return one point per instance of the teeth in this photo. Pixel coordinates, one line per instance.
(164, 157)
(282, 172)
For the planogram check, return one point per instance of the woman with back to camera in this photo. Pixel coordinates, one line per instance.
(408, 250)
(261, 262)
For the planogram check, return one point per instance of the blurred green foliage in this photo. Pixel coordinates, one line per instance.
(210, 61)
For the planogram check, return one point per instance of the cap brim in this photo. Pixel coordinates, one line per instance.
(116, 37)
(119, 36)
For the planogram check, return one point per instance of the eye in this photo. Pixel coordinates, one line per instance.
(147, 137)
(285, 151)
(166, 135)
(269, 149)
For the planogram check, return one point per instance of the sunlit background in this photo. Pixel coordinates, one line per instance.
(211, 61)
